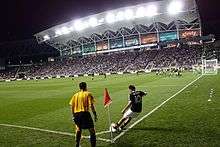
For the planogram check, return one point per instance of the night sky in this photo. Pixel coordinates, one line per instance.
(20, 19)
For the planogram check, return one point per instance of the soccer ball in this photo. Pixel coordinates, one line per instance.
(111, 128)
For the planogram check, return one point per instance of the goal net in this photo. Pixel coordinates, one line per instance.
(209, 67)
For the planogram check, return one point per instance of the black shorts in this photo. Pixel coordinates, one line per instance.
(83, 120)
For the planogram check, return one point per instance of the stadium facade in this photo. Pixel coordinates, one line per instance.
(144, 25)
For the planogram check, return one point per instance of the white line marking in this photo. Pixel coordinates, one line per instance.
(97, 138)
(102, 132)
(37, 129)
(103, 139)
(55, 132)
(138, 121)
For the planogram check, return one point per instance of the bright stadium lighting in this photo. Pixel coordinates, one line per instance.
(120, 16)
(151, 10)
(101, 21)
(129, 14)
(110, 18)
(175, 7)
(58, 32)
(46, 37)
(93, 22)
(65, 30)
(71, 29)
(140, 12)
(78, 25)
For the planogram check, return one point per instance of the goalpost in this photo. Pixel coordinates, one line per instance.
(210, 67)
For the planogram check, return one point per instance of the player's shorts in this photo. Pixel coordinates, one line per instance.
(130, 114)
(83, 120)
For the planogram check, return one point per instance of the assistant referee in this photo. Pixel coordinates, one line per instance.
(81, 103)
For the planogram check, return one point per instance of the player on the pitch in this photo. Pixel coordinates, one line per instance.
(132, 109)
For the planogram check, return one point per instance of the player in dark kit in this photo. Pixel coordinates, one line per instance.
(132, 109)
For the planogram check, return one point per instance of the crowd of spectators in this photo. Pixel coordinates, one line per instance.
(10, 73)
(123, 61)
(186, 57)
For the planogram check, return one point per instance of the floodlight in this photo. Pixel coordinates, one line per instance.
(120, 16)
(110, 18)
(46, 37)
(79, 25)
(58, 32)
(140, 12)
(93, 22)
(175, 7)
(151, 10)
(101, 20)
(129, 14)
(85, 25)
(71, 28)
(65, 30)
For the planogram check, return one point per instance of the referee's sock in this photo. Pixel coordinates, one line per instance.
(78, 137)
(93, 139)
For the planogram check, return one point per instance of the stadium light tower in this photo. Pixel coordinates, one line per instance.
(175, 7)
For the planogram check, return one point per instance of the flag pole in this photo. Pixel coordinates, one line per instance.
(107, 102)
(109, 119)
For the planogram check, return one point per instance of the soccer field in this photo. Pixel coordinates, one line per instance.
(178, 111)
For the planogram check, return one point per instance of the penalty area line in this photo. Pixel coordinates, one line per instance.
(152, 111)
(55, 132)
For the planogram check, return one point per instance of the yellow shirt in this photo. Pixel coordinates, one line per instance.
(82, 101)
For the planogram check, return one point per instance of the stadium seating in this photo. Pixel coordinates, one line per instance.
(124, 61)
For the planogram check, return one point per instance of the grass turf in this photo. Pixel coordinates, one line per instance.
(188, 119)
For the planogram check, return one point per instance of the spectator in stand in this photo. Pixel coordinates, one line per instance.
(113, 62)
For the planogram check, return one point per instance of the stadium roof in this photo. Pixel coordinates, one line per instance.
(164, 11)
(146, 18)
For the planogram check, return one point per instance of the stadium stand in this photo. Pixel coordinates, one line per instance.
(123, 61)
(123, 46)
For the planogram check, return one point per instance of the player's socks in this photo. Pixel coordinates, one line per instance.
(78, 137)
(93, 140)
(117, 127)
(125, 124)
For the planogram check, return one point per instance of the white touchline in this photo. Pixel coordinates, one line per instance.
(138, 121)
(102, 132)
(54, 132)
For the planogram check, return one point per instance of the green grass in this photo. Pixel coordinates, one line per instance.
(188, 119)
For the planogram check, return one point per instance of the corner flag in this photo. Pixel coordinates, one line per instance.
(107, 100)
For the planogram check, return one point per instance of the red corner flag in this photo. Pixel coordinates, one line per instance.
(107, 100)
